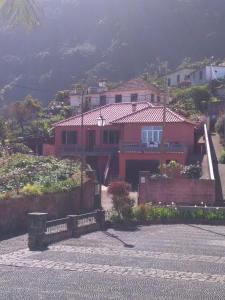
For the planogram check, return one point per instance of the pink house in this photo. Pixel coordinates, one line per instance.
(129, 142)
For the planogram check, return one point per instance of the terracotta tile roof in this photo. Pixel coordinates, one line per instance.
(135, 84)
(110, 112)
(151, 115)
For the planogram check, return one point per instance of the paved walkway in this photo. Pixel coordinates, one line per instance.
(155, 262)
(221, 167)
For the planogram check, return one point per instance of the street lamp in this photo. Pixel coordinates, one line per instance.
(101, 122)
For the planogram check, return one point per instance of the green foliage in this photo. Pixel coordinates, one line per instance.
(191, 101)
(19, 148)
(192, 171)
(147, 212)
(52, 175)
(32, 190)
(141, 212)
(222, 157)
(122, 202)
(220, 125)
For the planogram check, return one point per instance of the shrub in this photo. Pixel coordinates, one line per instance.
(119, 188)
(141, 212)
(220, 125)
(192, 171)
(222, 157)
(122, 202)
(20, 148)
(123, 206)
(32, 190)
(198, 214)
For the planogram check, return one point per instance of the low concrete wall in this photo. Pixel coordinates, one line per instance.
(13, 212)
(178, 190)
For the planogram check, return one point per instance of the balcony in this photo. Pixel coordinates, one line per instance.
(152, 147)
(75, 150)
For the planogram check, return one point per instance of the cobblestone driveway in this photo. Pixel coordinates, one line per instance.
(156, 262)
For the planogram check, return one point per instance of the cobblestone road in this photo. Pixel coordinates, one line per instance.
(156, 262)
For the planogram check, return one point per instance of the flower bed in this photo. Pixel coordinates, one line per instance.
(22, 174)
(148, 214)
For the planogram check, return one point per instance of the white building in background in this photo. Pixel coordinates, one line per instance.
(207, 74)
(135, 90)
(176, 78)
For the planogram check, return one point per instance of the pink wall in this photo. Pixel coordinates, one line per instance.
(49, 150)
(178, 190)
(174, 132)
(123, 157)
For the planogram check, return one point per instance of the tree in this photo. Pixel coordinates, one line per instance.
(24, 12)
(3, 131)
(24, 111)
(62, 97)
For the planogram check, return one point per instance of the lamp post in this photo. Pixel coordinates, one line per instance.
(82, 152)
(101, 123)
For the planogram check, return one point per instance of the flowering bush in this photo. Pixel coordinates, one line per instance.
(192, 171)
(122, 202)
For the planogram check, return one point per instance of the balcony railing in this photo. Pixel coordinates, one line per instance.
(152, 147)
(70, 150)
(123, 147)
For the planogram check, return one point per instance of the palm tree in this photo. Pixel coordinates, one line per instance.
(23, 12)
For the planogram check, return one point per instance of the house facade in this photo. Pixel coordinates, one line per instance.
(207, 74)
(135, 90)
(177, 78)
(130, 141)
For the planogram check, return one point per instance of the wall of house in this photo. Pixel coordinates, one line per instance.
(174, 132)
(13, 212)
(179, 190)
(173, 76)
(208, 73)
(180, 157)
(99, 136)
(143, 95)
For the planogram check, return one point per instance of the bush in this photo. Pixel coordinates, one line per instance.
(32, 190)
(220, 125)
(53, 175)
(222, 157)
(192, 171)
(20, 148)
(122, 202)
(141, 212)
(119, 188)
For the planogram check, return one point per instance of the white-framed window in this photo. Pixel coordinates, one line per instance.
(151, 134)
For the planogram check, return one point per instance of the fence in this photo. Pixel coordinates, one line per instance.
(43, 233)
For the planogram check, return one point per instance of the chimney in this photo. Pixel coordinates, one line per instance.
(134, 107)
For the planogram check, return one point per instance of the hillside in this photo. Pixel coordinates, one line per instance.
(85, 39)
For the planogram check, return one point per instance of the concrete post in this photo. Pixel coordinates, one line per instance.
(36, 230)
(100, 218)
(73, 225)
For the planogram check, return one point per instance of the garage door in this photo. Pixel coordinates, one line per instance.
(133, 167)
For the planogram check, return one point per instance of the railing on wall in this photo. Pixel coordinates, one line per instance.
(69, 150)
(154, 147)
(42, 233)
(208, 151)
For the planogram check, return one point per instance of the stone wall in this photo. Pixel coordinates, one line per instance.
(13, 212)
(181, 191)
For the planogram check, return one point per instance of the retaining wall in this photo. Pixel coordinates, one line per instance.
(179, 190)
(13, 212)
